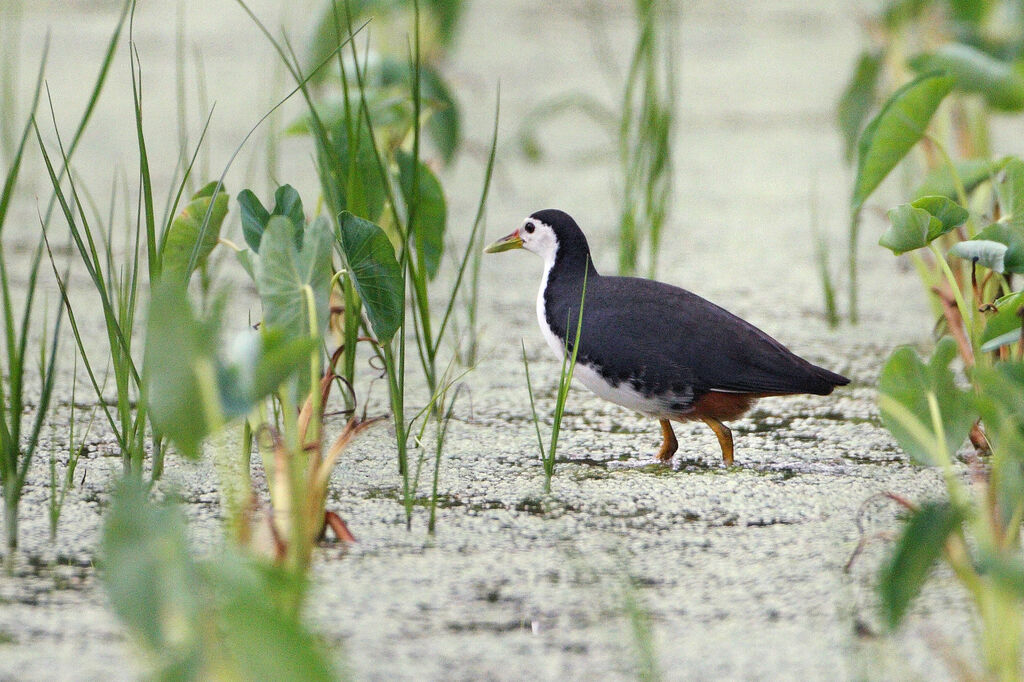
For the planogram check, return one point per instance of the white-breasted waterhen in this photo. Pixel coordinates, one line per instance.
(652, 347)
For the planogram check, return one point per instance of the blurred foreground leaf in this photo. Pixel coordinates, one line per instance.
(190, 390)
(217, 619)
(908, 386)
(917, 550)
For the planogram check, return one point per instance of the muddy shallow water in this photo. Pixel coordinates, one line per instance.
(743, 571)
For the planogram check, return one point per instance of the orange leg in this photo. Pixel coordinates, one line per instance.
(669, 444)
(724, 437)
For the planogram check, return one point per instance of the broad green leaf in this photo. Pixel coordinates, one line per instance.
(858, 99)
(149, 579)
(976, 72)
(1011, 234)
(915, 225)
(904, 387)
(287, 203)
(284, 275)
(972, 172)
(981, 251)
(950, 214)
(178, 348)
(185, 231)
(917, 550)
(431, 212)
(254, 218)
(1004, 326)
(895, 130)
(375, 273)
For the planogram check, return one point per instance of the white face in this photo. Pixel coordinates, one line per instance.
(539, 238)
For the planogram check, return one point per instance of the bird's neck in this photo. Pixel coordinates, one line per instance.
(564, 273)
(569, 265)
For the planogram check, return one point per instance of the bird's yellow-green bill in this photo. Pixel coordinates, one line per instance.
(506, 243)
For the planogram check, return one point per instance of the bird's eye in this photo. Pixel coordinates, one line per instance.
(529, 228)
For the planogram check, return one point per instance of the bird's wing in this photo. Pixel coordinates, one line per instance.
(672, 341)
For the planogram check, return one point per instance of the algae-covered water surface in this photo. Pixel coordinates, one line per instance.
(170, 514)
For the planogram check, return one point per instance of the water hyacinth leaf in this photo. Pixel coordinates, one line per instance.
(976, 72)
(185, 229)
(177, 345)
(1012, 235)
(1004, 326)
(904, 388)
(917, 550)
(285, 272)
(375, 273)
(431, 213)
(915, 225)
(857, 99)
(972, 172)
(895, 130)
(984, 252)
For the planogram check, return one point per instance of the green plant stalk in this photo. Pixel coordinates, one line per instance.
(533, 404)
(965, 312)
(564, 383)
(851, 266)
(59, 494)
(144, 174)
(130, 432)
(15, 457)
